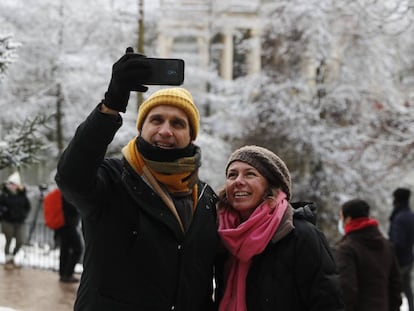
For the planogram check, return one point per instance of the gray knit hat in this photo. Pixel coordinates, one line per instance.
(267, 163)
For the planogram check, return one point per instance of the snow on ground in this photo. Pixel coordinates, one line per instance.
(404, 306)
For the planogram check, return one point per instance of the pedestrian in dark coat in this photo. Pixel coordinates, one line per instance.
(401, 234)
(149, 223)
(278, 259)
(16, 204)
(70, 241)
(368, 267)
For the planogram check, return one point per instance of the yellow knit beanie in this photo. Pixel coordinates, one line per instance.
(177, 97)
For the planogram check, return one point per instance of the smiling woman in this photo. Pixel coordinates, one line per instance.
(266, 237)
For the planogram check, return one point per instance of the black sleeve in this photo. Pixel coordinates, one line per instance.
(317, 276)
(80, 174)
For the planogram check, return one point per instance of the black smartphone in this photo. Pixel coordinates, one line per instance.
(165, 71)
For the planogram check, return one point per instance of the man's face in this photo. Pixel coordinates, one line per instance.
(166, 127)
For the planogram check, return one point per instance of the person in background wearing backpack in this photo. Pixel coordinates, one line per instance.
(63, 218)
(277, 258)
(17, 207)
(70, 240)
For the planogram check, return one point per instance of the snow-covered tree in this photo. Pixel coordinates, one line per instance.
(7, 52)
(21, 143)
(331, 99)
(65, 61)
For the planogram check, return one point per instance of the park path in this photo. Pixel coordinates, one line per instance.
(29, 289)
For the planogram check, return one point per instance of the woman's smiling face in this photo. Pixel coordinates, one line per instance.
(245, 188)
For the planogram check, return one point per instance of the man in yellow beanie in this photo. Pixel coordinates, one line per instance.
(149, 223)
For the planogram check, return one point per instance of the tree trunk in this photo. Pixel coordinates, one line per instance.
(59, 102)
(140, 41)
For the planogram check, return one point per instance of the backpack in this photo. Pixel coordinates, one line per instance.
(53, 210)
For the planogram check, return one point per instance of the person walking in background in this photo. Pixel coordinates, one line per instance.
(277, 258)
(70, 241)
(149, 223)
(16, 209)
(401, 233)
(368, 267)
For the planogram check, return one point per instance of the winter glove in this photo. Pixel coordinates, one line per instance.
(128, 74)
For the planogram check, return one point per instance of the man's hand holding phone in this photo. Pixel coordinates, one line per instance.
(133, 70)
(128, 74)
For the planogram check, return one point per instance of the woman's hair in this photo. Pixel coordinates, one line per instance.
(222, 202)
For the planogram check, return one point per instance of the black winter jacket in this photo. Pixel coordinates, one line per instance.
(296, 273)
(136, 256)
(16, 205)
(70, 214)
(402, 234)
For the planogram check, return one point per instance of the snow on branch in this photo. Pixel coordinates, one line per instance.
(7, 52)
(23, 143)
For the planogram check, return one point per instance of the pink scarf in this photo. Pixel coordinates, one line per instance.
(244, 240)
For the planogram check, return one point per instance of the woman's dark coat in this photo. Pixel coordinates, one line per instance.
(296, 273)
(136, 256)
(370, 276)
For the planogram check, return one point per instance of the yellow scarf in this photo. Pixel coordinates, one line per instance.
(179, 177)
